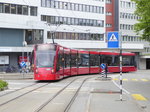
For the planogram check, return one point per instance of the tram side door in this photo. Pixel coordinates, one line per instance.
(74, 67)
(67, 61)
(60, 63)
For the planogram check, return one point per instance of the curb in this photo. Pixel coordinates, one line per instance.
(4, 88)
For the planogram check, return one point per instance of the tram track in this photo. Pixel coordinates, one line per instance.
(18, 89)
(49, 100)
(75, 96)
(16, 97)
(42, 95)
(59, 92)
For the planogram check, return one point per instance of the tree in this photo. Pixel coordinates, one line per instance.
(142, 28)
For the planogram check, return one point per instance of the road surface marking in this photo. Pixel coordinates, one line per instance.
(122, 89)
(115, 79)
(125, 79)
(144, 80)
(134, 79)
(88, 103)
(139, 97)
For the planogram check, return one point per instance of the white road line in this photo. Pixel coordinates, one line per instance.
(88, 103)
(122, 88)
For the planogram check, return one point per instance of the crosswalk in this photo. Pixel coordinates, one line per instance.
(133, 79)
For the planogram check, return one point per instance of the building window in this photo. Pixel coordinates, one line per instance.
(108, 25)
(33, 11)
(125, 4)
(128, 16)
(75, 36)
(1, 8)
(99, 0)
(13, 9)
(72, 21)
(43, 3)
(57, 5)
(108, 1)
(25, 10)
(19, 9)
(7, 8)
(108, 13)
(43, 18)
(72, 6)
(38, 34)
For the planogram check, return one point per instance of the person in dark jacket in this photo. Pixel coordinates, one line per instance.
(106, 69)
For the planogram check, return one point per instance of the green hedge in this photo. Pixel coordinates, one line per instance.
(3, 84)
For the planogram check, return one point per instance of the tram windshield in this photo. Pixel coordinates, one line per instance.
(45, 56)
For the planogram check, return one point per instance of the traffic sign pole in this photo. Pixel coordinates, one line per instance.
(115, 41)
(103, 67)
(121, 69)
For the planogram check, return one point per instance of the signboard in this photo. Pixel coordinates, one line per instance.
(103, 66)
(113, 39)
(21, 58)
(4, 60)
(23, 64)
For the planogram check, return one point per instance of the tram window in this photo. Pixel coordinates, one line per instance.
(106, 59)
(128, 61)
(133, 61)
(60, 63)
(73, 60)
(115, 60)
(67, 60)
(94, 60)
(83, 60)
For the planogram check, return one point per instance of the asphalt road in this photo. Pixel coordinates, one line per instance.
(137, 85)
(75, 94)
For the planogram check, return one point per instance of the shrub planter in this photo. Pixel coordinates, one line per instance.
(3, 85)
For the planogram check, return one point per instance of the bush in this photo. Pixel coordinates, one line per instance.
(3, 84)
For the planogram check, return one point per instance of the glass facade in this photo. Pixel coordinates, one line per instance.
(72, 21)
(75, 36)
(17, 9)
(72, 6)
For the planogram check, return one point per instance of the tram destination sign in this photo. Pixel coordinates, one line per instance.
(113, 39)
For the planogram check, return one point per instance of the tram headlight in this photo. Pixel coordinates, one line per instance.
(36, 71)
(52, 70)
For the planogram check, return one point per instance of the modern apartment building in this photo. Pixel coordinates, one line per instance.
(80, 24)
(127, 19)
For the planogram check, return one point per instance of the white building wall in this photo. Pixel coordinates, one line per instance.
(75, 28)
(142, 65)
(21, 21)
(124, 9)
(34, 22)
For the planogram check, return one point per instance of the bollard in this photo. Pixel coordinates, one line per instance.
(103, 73)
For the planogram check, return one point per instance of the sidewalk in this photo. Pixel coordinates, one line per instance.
(105, 97)
(15, 76)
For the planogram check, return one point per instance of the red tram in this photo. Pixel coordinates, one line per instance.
(53, 62)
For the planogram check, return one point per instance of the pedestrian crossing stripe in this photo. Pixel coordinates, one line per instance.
(134, 79)
(125, 79)
(115, 79)
(113, 38)
(139, 97)
(144, 80)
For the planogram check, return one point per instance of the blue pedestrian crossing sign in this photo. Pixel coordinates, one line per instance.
(113, 39)
(23, 64)
(103, 66)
